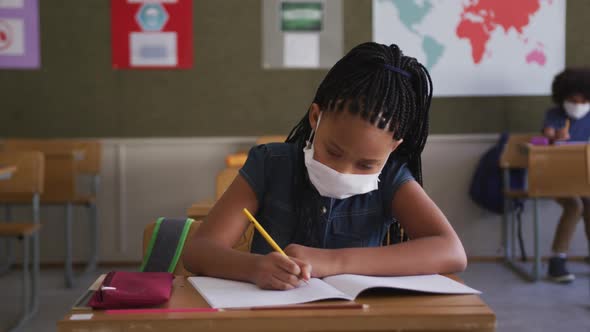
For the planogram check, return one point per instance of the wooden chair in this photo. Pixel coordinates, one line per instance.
(222, 182)
(92, 162)
(201, 209)
(237, 160)
(224, 179)
(27, 181)
(270, 139)
(65, 160)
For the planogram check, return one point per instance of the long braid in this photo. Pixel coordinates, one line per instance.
(384, 87)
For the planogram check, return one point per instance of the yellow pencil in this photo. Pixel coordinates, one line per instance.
(265, 235)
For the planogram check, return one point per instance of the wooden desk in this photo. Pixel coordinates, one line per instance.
(552, 171)
(386, 313)
(558, 171)
(6, 171)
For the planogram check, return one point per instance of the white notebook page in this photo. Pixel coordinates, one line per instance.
(221, 293)
(353, 285)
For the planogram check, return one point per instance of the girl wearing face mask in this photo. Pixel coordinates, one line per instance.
(348, 174)
(568, 121)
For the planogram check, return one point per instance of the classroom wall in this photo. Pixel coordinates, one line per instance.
(77, 94)
(196, 117)
(140, 176)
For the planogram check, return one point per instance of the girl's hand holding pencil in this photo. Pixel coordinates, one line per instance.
(277, 270)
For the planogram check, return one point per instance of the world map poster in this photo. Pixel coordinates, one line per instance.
(478, 47)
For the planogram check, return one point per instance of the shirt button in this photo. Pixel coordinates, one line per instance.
(324, 210)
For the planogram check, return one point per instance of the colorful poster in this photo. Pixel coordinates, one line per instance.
(478, 47)
(19, 34)
(152, 34)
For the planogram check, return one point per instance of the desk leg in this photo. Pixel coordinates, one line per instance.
(513, 232)
(9, 244)
(507, 218)
(92, 261)
(537, 263)
(523, 269)
(93, 218)
(36, 258)
(506, 230)
(68, 272)
(26, 298)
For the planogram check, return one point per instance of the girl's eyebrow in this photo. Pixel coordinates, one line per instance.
(363, 160)
(369, 161)
(335, 146)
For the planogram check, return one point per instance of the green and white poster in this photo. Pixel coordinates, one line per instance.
(301, 34)
(301, 16)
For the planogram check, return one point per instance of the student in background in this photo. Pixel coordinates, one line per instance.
(568, 120)
(329, 194)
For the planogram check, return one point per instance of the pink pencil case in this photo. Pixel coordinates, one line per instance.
(132, 290)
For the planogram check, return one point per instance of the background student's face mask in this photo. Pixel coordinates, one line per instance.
(331, 183)
(576, 110)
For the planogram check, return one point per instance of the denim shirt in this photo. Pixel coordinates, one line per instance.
(358, 221)
(579, 129)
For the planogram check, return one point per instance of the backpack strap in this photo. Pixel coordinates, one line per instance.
(166, 245)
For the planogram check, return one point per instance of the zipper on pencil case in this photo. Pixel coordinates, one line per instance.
(106, 283)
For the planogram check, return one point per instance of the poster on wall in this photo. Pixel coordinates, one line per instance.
(478, 47)
(301, 34)
(152, 34)
(301, 23)
(19, 34)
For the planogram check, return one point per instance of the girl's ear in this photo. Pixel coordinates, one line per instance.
(314, 114)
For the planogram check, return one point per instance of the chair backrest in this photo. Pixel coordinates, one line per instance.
(91, 164)
(224, 179)
(48, 146)
(61, 162)
(60, 177)
(270, 139)
(29, 173)
(91, 150)
(513, 155)
(237, 160)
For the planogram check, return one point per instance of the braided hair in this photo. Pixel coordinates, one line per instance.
(386, 88)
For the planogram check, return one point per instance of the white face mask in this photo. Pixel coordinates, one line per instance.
(331, 183)
(576, 110)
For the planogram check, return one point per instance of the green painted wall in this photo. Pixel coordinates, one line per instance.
(77, 94)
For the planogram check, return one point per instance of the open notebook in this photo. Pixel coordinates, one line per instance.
(221, 293)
